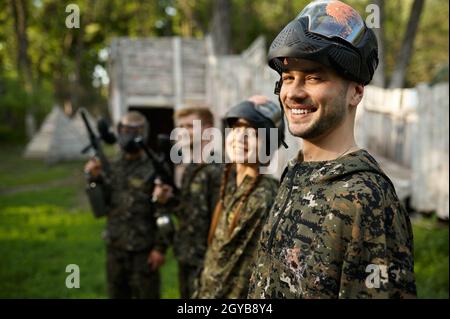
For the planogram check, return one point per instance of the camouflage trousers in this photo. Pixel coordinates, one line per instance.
(186, 278)
(129, 275)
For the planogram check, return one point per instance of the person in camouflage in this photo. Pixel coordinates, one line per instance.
(135, 248)
(245, 199)
(193, 206)
(337, 228)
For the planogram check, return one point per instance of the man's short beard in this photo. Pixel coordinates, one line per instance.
(324, 125)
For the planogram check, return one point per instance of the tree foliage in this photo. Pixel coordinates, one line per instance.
(66, 65)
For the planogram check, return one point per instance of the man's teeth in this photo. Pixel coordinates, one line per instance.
(301, 111)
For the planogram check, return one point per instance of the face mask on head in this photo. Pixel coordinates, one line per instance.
(127, 142)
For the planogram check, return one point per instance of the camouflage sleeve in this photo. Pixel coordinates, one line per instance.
(204, 194)
(378, 260)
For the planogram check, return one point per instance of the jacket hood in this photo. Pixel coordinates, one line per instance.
(327, 171)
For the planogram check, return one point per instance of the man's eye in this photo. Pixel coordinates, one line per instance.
(313, 78)
(287, 77)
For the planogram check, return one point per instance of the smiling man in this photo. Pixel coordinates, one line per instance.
(337, 228)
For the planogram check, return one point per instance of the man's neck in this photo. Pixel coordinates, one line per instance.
(245, 169)
(330, 146)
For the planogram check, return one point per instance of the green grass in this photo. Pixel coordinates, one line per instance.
(17, 171)
(45, 224)
(431, 259)
(37, 243)
(62, 196)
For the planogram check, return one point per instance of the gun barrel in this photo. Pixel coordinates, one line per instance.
(162, 171)
(95, 143)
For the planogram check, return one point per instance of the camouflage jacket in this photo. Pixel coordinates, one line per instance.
(131, 220)
(336, 230)
(193, 208)
(229, 259)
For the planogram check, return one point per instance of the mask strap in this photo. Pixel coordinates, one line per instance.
(276, 91)
(278, 85)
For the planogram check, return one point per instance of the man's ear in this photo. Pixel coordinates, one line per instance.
(356, 93)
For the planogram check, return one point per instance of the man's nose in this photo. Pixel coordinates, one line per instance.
(296, 91)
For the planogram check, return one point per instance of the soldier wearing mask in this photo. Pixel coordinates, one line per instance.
(337, 228)
(193, 205)
(246, 197)
(135, 247)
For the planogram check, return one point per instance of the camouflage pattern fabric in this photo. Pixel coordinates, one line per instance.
(131, 221)
(130, 276)
(187, 277)
(131, 231)
(336, 230)
(229, 259)
(193, 207)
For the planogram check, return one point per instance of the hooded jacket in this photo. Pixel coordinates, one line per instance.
(228, 260)
(336, 230)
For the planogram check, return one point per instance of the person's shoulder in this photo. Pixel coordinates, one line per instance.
(365, 194)
(369, 177)
(366, 183)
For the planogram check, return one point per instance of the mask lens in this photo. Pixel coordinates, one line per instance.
(334, 19)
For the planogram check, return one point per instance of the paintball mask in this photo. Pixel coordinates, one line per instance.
(331, 33)
(131, 135)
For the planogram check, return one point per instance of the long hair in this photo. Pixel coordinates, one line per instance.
(220, 204)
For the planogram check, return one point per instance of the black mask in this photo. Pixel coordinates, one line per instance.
(128, 143)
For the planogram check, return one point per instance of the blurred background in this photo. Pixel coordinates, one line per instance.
(157, 56)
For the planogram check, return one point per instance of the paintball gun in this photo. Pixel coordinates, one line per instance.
(163, 172)
(95, 193)
(95, 143)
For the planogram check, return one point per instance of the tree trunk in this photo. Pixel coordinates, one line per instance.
(379, 78)
(404, 56)
(191, 21)
(76, 87)
(19, 9)
(221, 27)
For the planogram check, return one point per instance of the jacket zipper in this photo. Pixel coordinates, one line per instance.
(275, 226)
